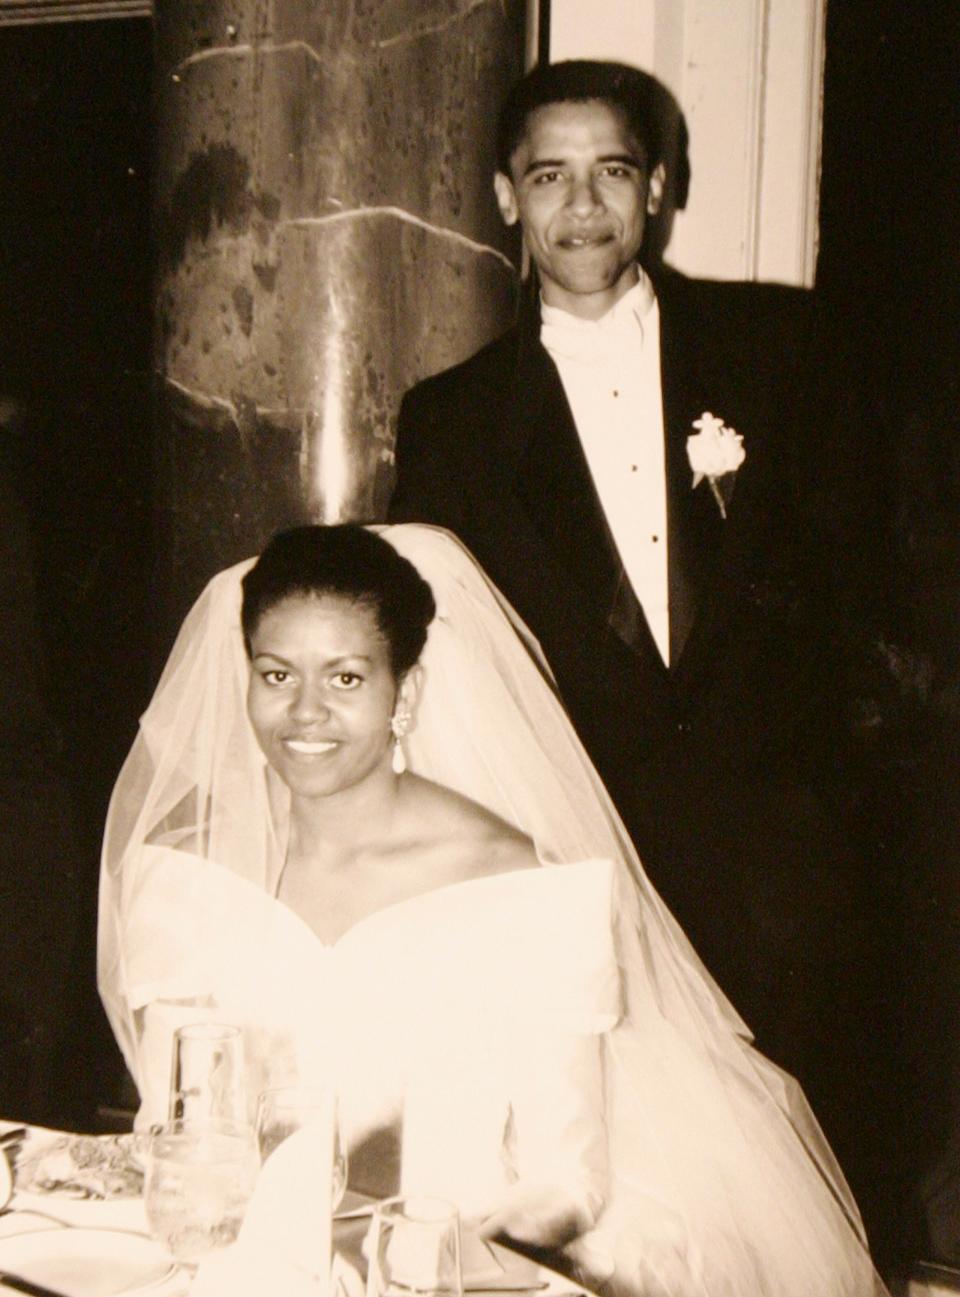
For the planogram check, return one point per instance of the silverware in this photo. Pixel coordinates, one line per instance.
(19, 1284)
(34, 1211)
(507, 1287)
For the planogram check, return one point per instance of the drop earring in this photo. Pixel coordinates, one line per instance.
(398, 725)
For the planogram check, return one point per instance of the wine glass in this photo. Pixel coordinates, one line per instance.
(207, 1074)
(288, 1108)
(199, 1179)
(415, 1249)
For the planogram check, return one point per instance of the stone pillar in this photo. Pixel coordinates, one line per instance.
(326, 235)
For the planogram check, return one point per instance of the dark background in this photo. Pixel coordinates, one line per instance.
(889, 278)
(75, 324)
(75, 321)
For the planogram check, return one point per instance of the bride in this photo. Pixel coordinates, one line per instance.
(357, 823)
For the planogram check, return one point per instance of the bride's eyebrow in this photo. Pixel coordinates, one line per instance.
(266, 655)
(339, 660)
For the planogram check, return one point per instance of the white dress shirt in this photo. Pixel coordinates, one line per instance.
(610, 370)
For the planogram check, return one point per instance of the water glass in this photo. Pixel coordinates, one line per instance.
(199, 1180)
(415, 1249)
(207, 1074)
(286, 1109)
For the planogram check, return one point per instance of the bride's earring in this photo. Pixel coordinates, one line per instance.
(398, 725)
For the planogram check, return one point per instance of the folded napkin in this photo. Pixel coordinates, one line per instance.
(284, 1242)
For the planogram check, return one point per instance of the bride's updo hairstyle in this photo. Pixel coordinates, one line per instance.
(348, 562)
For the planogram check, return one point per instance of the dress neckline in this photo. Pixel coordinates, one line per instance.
(434, 894)
(384, 912)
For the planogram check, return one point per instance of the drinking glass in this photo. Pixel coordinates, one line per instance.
(289, 1108)
(207, 1074)
(199, 1180)
(415, 1249)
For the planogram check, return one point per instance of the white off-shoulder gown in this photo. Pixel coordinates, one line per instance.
(480, 1018)
(468, 1016)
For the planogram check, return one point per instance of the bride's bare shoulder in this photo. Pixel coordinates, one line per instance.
(472, 840)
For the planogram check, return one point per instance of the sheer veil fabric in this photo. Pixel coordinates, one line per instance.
(721, 1183)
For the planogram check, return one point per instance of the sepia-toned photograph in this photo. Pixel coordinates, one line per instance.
(480, 595)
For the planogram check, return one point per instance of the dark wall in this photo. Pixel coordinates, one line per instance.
(889, 266)
(75, 320)
(889, 274)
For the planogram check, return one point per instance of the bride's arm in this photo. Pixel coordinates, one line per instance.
(564, 995)
(556, 1140)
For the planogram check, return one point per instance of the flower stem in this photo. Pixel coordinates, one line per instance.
(717, 496)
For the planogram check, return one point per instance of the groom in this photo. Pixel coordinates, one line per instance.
(625, 464)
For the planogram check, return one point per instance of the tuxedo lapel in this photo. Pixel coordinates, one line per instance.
(554, 483)
(695, 528)
(557, 493)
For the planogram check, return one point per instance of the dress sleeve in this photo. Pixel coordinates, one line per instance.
(197, 943)
(555, 967)
(503, 1109)
(165, 984)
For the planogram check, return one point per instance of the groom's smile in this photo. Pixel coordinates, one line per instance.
(587, 241)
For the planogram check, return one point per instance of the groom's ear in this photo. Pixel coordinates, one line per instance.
(506, 198)
(655, 189)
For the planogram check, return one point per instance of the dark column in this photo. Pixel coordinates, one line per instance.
(326, 236)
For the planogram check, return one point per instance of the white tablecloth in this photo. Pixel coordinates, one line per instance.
(29, 1212)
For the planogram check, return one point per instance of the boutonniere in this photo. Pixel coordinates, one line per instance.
(715, 452)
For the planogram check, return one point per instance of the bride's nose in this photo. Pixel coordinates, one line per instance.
(309, 703)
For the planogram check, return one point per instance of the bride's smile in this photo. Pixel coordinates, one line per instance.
(306, 748)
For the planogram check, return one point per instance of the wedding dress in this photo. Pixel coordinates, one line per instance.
(456, 1016)
(550, 1028)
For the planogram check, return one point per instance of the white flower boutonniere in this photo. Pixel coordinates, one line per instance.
(715, 452)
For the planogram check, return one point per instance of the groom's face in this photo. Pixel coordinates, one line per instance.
(580, 188)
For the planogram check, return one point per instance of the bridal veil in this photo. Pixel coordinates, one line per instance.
(721, 1183)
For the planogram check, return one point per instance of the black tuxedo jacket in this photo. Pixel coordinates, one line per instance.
(709, 762)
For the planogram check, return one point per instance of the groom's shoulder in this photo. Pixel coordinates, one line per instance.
(449, 427)
(745, 304)
(748, 330)
(484, 371)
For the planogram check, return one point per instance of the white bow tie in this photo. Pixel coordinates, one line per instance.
(592, 341)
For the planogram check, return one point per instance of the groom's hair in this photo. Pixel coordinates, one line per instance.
(348, 562)
(639, 98)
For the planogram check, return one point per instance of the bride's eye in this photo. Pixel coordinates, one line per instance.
(347, 680)
(275, 677)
